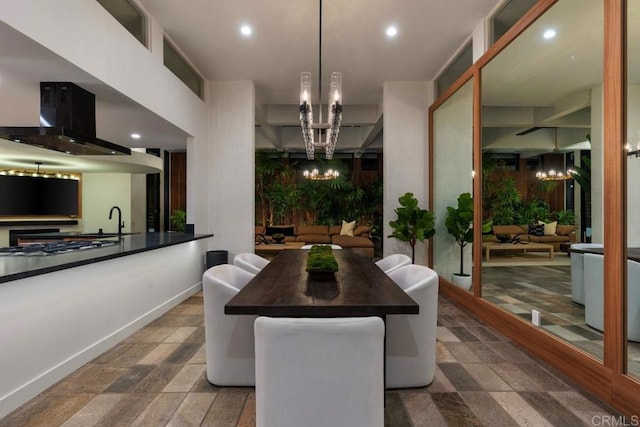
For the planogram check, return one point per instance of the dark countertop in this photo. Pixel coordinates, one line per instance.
(20, 267)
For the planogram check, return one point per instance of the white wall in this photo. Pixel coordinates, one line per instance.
(100, 192)
(230, 166)
(52, 324)
(405, 108)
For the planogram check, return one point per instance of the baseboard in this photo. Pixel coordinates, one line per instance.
(19, 396)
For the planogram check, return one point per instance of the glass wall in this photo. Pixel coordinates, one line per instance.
(541, 105)
(453, 141)
(633, 195)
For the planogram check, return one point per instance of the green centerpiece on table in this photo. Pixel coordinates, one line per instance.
(321, 261)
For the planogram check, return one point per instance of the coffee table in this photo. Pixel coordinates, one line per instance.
(274, 248)
(487, 247)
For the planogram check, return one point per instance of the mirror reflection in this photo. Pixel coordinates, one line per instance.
(452, 189)
(542, 133)
(633, 196)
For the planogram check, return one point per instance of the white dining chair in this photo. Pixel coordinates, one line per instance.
(594, 295)
(393, 262)
(250, 262)
(411, 338)
(577, 270)
(319, 372)
(321, 244)
(594, 290)
(229, 342)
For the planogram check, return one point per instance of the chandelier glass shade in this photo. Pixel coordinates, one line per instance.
(37, 173)
(331, 127)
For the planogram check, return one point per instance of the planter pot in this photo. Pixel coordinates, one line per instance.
(463, 282)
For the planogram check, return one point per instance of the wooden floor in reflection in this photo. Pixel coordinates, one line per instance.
(547, 288)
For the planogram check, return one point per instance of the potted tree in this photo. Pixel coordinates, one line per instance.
(413, 223)
(459, 223)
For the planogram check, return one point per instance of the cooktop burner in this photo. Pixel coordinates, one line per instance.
(52, 248)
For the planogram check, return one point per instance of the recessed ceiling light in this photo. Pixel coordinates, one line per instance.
(135, 135)
(392, 31)
(549, 34)
(246, 30)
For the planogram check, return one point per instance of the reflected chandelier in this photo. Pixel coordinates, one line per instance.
(334, 108)
(552, 174)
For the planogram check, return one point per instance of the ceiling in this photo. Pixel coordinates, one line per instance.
(283, 44)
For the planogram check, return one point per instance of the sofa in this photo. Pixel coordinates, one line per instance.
(360, 241)
(552, 234)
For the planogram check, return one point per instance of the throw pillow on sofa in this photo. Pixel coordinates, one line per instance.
(347, 228)
(549, 228)
(536, 229)
(362, 229)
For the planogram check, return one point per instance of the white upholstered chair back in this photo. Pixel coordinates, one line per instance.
(319, 372)
(594, 295)
(250, 262)
(633, 300)
(393, 262)
(593, 275)
(577, 271)
(229, 341)
(411, 339)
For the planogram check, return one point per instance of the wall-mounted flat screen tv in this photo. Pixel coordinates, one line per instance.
(29, 196)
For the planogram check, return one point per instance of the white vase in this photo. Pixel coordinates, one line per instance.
(463, 282)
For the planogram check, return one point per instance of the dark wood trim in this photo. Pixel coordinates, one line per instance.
(614, 182)
(460, 81)
(626, 394)
(529, 18)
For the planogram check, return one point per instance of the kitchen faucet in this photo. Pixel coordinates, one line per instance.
(120, 222)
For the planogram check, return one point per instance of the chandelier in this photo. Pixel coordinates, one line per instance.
(37, 173)
(334, 108)
(317, 176)
(552, 174)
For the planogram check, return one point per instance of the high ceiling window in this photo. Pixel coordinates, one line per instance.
(131, 18)
(179, 66)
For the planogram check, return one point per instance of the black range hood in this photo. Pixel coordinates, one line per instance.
(68, 123)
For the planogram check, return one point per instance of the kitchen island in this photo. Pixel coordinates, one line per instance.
(59, 311)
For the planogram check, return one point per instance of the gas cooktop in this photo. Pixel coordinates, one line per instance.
(53, 248)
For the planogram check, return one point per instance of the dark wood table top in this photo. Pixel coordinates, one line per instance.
(283, 289)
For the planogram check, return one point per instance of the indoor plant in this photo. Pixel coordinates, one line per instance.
(278, 237)
(321, 263)
(459, 223)
(413, 224)
(178, 219)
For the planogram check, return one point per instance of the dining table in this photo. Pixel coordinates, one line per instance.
(359, 288)
(285, 289)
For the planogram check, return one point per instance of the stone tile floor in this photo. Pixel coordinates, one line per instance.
(156, 377)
